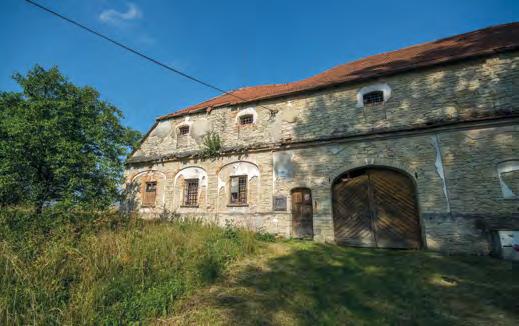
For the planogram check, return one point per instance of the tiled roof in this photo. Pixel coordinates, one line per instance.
(482, 42)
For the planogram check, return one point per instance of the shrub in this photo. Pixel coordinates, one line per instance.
(211, 145)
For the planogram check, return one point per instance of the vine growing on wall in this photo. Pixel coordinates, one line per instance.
(211, 145)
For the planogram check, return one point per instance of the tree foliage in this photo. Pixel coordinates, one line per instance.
(60, 144)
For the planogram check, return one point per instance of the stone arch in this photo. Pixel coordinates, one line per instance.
(150, 175)
(190, 172)
(376, 206)
(238, 168)
(380, 164)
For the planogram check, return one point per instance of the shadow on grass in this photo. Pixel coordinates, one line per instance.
(325, 284)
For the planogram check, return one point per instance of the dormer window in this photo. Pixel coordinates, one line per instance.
(373, 98)
(184, 130)
(246, 119)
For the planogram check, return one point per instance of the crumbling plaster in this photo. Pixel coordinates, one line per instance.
(504, 168)
(458, 171)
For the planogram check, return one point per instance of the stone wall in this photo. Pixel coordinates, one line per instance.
(459, 188)
(477, 88)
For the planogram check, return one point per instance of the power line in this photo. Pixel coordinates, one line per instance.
(140, 54)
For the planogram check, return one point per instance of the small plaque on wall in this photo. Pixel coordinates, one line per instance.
(280, 203)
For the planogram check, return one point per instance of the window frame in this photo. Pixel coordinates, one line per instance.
(242, 197)
(246, 119)
(181, 130)
(188, 195)
(377, 95)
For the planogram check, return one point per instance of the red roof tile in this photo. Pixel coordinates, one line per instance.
(482, 42)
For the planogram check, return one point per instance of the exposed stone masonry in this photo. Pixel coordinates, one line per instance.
(447, 127)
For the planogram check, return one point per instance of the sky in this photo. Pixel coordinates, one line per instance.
(229, 44)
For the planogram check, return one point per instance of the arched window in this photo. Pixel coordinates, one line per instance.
(246, 116)
(374, 94)
(246, 119)
(373, 98)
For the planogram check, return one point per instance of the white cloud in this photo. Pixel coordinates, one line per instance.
(115, 17)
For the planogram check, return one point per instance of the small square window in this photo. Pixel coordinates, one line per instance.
(184, 130)
(373, 98)
(151, 186)
(246, 119)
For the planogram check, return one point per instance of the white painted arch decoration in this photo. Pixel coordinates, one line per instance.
(236, 168)
(186, 123)
(383, 87)
(192, 172)
(248, 111)
(507, 167)
(158, 173)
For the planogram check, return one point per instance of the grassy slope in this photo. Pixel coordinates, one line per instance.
(72, 269)
(298, 283)
(107, 275)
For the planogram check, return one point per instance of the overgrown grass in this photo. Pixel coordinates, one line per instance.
(104, 268)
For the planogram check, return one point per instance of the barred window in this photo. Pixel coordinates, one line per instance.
(184, 130)
(373, 98)
(191, 192)
(239, 190)
(149, 193)
(246, 119)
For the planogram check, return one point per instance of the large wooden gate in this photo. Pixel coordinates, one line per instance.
(302, 214)
(376, 208)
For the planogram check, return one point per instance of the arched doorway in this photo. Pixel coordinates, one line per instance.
(302, 214)
(375, 207)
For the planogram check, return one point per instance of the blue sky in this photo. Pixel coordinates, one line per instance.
(227, 43)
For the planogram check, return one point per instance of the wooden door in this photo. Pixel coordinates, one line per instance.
(396, 212)
(376, 208)
(352, 213)
(302, 214)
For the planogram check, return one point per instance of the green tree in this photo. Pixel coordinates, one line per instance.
(60, 144)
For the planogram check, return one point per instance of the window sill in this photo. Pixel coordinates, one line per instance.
(237, 205)
(189, 206)
(372, 105)
(147, 206)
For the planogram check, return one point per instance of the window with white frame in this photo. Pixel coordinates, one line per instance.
(373, 95)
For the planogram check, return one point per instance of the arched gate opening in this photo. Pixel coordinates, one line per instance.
(376, 207)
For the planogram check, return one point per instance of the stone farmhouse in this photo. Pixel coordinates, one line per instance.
(415, 148)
